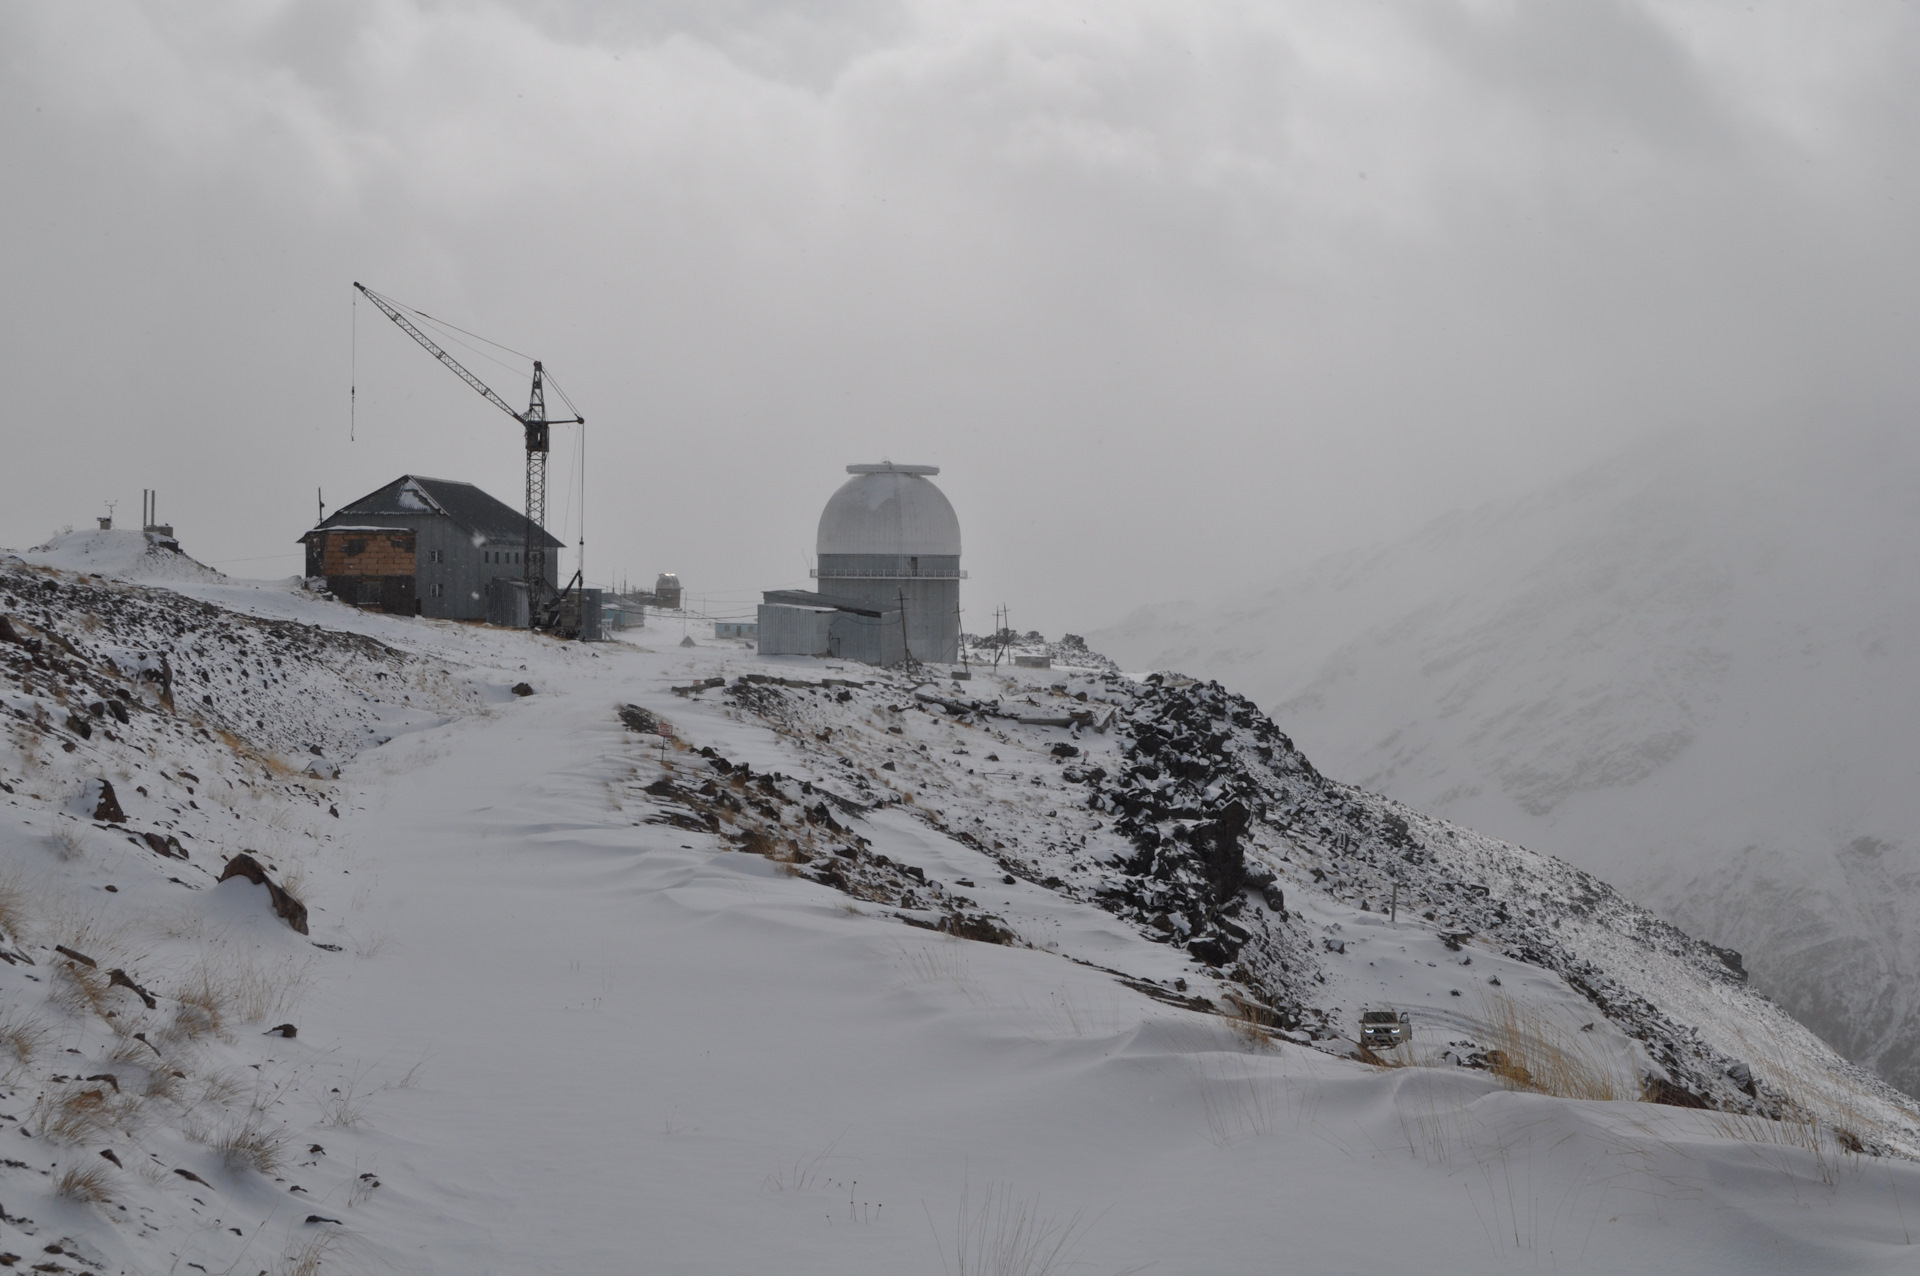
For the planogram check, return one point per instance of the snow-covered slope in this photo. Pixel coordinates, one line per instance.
(122, 555)
(851, 972)
(1689, 671)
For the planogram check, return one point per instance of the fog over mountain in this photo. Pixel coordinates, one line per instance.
(1170, 292)
(1690, 669)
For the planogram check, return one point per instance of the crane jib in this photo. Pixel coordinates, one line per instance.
(539, 442)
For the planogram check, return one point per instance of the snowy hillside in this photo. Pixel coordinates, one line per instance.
(1690, 671)
(640, 957)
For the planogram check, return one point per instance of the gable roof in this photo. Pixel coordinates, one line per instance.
(467, 506)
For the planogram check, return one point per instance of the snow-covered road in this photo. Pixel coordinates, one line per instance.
(645, 1052)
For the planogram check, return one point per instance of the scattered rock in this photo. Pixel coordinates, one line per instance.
(1661, 1090)
(244, 865)
(106, 805)
(168, 845)
(1735, 964)
(637, 719)
(118, 978)
(1741, 1076)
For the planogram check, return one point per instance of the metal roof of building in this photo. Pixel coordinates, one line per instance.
(889, 509)
(469, 508)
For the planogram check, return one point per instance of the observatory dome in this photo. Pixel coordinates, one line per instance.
(889, 509)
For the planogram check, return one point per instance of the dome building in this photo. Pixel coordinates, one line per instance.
(889, 574)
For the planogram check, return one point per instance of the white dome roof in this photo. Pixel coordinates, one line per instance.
(889, 509)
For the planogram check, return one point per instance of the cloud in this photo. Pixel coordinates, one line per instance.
(1174, 293)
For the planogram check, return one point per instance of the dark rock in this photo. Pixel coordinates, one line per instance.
(117, 978)
(977, 927)
(82, 958)
(108, 1153)
(1064, 750)
(107, 808)
(522, 689)
(1210, 951)
(79, 726)
(1741, 1076)
(637, 719)
(169, 845)
(1731, 960)
(1276, 899)
(888, 766)
(1661, 1090)
(244, 865)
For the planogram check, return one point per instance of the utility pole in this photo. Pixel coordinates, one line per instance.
(905, 647)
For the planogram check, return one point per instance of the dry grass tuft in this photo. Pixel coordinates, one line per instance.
(1530, 1052)
(305, 1259)
(1007, 1236)
(88, 1184)
(251, 1146)
(21, 1038)
(82, 989)
(247, 751)
(67, 843)
(83, 1110)
(221, 991)
(16, 903)
(163, 1084)
(1250, 1021)
(345, 1108)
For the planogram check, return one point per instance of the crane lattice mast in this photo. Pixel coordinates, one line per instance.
(537, 424)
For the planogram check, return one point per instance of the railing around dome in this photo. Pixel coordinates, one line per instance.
(856, 573)
(888, 567)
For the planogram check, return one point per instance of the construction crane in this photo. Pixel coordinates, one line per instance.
(537, 424)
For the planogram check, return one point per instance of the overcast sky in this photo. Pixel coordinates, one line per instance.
(1175, 294)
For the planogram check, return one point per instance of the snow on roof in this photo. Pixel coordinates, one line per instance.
(468, 506)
